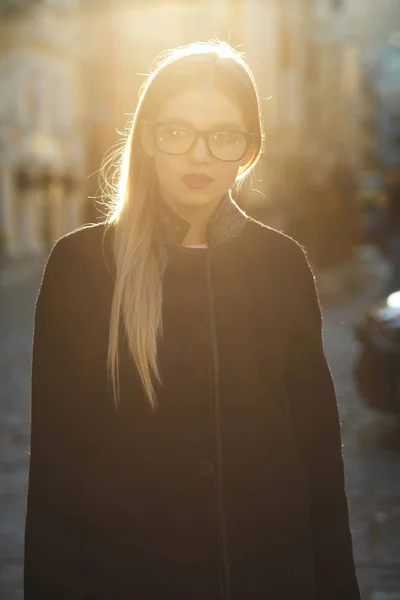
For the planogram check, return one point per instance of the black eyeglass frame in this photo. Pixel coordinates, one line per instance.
(204, 134)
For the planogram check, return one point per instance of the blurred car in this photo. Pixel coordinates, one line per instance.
(377, 367)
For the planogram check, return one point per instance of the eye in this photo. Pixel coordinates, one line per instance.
(227, 137)
(173, 131)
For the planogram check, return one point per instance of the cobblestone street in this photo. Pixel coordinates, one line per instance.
(372, 458)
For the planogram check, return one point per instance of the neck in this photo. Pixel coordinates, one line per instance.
(197, 216)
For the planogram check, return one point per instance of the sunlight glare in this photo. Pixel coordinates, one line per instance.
(393, 300)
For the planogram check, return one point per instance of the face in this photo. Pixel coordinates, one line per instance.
(195, 178)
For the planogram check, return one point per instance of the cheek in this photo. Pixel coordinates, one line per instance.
(167, 167)
(225, 174)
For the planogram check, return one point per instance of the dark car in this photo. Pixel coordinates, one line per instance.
(377, 368)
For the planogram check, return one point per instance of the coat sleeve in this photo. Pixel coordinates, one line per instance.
(55, 536)
(317, 429)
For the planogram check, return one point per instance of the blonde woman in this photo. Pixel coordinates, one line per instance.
(185, 434)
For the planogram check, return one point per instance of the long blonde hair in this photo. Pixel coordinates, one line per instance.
(139, 256)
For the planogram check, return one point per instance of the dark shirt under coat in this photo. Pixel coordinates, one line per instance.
(126, 504)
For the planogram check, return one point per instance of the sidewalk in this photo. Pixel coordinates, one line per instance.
(14, 272)
(355, 277)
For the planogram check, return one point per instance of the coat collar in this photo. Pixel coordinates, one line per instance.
(228, 222)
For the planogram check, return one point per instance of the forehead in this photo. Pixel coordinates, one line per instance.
(202, 108)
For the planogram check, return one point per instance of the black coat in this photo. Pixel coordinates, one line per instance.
(234, 488)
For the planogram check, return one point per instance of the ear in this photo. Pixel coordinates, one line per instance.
(147, 138)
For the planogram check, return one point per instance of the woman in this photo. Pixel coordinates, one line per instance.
(185, 433)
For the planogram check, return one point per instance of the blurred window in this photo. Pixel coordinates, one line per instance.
(32, 99)
(286, 50)
(311, 61)
(62, 99)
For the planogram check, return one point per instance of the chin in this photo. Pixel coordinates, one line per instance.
(196, 198)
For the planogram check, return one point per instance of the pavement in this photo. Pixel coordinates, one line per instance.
(18, 290)
(371, 443)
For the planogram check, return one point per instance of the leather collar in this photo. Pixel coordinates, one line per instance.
(228, 222)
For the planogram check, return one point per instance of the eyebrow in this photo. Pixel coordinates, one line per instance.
(214, 127)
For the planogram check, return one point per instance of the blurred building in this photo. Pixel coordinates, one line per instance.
(384, 76)
(277, 37)
(338, 84)
(374, 27)
(318, 134)
(42, 138)
(369, 103)
(314, 78)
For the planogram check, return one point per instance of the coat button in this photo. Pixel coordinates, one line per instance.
(206, 468)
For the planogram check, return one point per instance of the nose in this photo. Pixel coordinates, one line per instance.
(199, 152)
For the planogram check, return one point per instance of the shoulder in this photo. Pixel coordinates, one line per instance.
(284, 263)
(78, 258)
(84, 240)
(274, 247)
(85, 246)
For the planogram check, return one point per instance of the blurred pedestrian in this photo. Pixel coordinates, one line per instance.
(185, 433)
(390, 200)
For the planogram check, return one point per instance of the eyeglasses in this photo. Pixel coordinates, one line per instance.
(229, 146)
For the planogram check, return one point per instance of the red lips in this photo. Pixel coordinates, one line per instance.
(197, 181)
